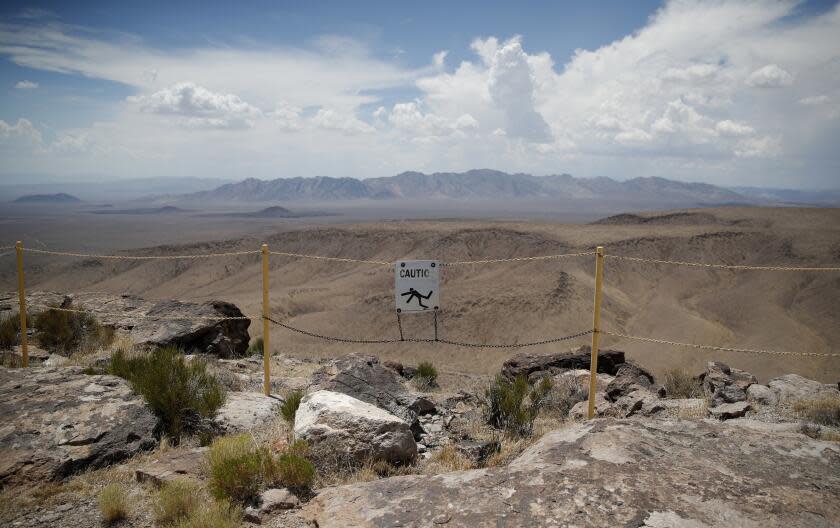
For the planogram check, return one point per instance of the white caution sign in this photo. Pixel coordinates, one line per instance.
(417, 285)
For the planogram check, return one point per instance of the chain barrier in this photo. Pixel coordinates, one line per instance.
(422, 340)
(124, 315)
(516, 259)
(718, 348)
(334, 259)
(717, 266)
(140, 257)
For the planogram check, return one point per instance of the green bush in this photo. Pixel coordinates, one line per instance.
(290, 406)
(239, 467)
(256, 347)
(67, 332)
(681, 384)
(293, 469)
(10, 331)
(177, 391)
(426, 375)
(218, 514)
(506, 407)
(113, 503)
(176, 501)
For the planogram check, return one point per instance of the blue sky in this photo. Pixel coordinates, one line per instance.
(729, 92)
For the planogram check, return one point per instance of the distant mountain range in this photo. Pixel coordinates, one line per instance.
(48, 198)
(482, 184)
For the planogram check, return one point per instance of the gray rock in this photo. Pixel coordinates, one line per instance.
(531, 365)
(603, 407)
(629, 378)
(365, 379)
(761, 394)
(795, 387)
(277, 499)
(244, 411)
(639, 402)
(722, 384)
(478, 452)
(149, 322)
(339, 427)
(726, 411)
(172, 465)
(609, 472)
(58, 421)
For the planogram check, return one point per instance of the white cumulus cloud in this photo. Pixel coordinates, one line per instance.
(199, 107)
(27, 85)
(770, 76)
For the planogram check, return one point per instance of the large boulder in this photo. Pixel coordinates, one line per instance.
(155, 323)
(795, 387)
(722, 384)
(366, 379)
(761, 394)
(58, 421)
(728, 411)
(340, 428)
(537, 365)
(607, 472)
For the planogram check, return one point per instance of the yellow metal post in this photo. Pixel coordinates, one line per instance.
(596, 329)
(24, 342)
(266, 325)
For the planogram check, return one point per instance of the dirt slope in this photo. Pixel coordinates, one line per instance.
(523, 301)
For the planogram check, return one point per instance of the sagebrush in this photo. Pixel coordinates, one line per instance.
(513, 406)
(293, 469)
(239, 468)
(10, 331)
(426, 375)
(256, 347)
(178, 392)
(68, 332)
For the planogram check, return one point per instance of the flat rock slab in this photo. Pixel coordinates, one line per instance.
(172, 465)
(244, 411)
(607, 472)
(58, 421)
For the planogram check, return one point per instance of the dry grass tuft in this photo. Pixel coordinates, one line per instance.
(113, 503)
(216, 514)
(824, 411)
(445, 460)
(680, 384)
(176, 501)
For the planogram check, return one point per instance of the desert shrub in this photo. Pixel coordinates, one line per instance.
(506, 407)
(10, 331)
(217, 514)
(257, 346)
(293, 469)
(113, 503)
(67, 332)
(175, 501)
(681, 384)
(563, 395)
(239, 467)
(179, 393)
(290, 406)
(824, 411)
(426, 375)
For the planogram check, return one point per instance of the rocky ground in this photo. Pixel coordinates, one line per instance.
(394, 452)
